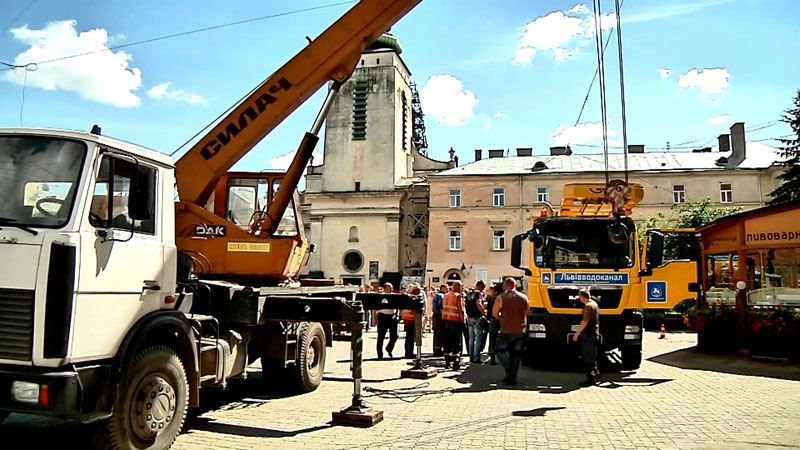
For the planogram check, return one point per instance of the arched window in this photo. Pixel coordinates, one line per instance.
(353, 234)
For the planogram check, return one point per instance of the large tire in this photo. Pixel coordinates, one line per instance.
(631, 357)
(306, 375)
(151, 402)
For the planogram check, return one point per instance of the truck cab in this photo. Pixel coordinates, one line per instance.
(87, 236)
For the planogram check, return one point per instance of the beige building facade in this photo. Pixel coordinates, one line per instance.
(476, 209)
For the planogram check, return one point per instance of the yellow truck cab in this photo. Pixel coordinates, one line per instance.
(586, 245)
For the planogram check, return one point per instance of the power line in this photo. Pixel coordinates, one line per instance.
(189, 32)
(13, 21)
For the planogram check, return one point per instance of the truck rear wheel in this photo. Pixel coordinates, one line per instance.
(306, 375)
(151, 401)
(631, 357)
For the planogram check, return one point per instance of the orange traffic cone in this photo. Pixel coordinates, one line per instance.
(663, 332)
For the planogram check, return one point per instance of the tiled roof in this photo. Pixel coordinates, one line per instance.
(759, 156)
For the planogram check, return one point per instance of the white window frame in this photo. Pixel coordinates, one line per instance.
(455, 239)
(499, 197)
(723, 193)
(542, 196)
(678, 195)
(455, 198)
(499, 242)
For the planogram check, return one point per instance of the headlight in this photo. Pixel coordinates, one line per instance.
(632, 329)
(537, 327)
(25, 392)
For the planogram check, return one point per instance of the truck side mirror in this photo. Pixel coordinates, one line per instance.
(655, 250)
(516, 253)
(141, 203)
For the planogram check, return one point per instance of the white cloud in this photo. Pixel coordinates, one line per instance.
(664, 72)
(486, 122)
(282, 162)
(562, 34)
(162, 91)
(103, 76)
(708, 81)
(670, 9)
(444, 98)
(501, 115)
(582, 133)
(717, 120)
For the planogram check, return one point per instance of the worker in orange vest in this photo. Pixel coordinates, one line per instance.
(409, 324)
(454, 317)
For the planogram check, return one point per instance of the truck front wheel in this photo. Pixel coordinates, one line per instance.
(151, 401)
(307, 373)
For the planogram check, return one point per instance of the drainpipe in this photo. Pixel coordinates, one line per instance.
(521, 206)
(760, 193)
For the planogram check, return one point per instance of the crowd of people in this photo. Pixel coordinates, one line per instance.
(464, 321)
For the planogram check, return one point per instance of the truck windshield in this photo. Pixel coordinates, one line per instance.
(582, 243)
(38, 180)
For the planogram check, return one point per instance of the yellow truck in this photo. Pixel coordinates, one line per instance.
(589, 243)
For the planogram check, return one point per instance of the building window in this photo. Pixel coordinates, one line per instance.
(725, 193)
(353, 234)
(498, 240)
(360, 91)
(353, 261)
(499, 197)
(678, 194)
(455, 198)
(419, 227)
(542, 194)
(455, 240)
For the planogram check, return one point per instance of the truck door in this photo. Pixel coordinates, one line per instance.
(669, 268)
(122, 255)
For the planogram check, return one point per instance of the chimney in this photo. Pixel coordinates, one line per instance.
(478, 154)
(499, 153)
(524, 151)
(560, 151)
(635, 148)
(738, 144)
(724, 143)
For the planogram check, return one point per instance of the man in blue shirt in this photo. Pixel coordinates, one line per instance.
(438, 326)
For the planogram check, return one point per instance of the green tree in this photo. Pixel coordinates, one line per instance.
(692, 215)
(789, 191)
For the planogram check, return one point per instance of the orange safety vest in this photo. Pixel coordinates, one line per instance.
(408, 315)
(451, 308)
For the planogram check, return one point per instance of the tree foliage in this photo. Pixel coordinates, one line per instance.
(789, 191)
(687, 215)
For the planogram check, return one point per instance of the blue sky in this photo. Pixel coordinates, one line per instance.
(493, 74)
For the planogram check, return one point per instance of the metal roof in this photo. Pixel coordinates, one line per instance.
(101, 140)
(759, 156)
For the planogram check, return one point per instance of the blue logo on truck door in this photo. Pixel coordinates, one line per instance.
(584, 278)
(657, 292)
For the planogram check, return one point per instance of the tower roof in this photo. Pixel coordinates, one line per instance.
(386, 41)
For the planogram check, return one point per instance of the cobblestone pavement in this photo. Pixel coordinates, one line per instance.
(678, 399)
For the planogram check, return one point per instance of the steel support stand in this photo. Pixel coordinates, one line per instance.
(419, 371)
(358, 414)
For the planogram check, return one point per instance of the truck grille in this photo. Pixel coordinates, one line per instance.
(16, 324)
(568, 298)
